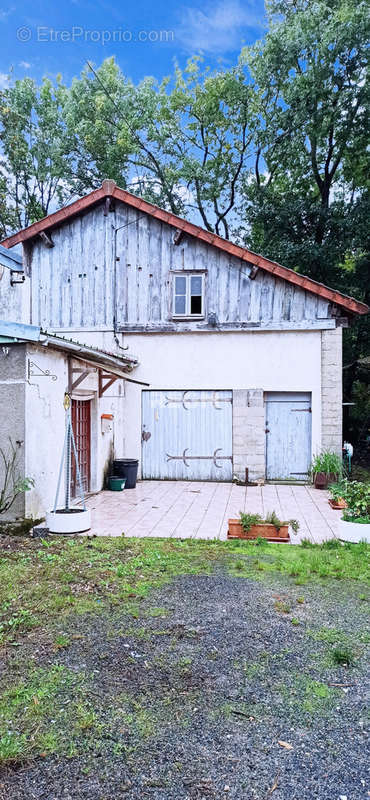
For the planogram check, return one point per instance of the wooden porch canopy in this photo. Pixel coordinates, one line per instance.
(109, 366)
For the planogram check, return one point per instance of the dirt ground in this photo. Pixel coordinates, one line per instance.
(213, 687)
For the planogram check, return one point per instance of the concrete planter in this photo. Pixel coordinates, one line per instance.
(262, 530)
(75, 520)
(353, 531)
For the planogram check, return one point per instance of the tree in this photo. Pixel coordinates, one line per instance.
(182, 143)
(308, 205)
(35, 161)
(310, 72)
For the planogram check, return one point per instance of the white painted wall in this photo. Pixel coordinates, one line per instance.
(278, 361)
(286, 361)
(45, 426)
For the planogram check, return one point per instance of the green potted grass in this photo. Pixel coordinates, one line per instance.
(326, 468)
(253, 526)
(354, 525)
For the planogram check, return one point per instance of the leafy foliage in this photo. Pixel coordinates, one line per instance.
(357, 496)
(248, 520)
(37, 165)
(328, 462)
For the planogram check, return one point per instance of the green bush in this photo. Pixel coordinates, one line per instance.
(357, 496)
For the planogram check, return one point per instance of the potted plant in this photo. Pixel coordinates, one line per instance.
(326, 467)
(253, 526)
(354, 525)
(337, 490)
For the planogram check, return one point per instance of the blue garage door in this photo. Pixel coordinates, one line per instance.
(187, 435)
(288, 435)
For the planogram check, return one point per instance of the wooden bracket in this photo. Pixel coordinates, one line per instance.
(109, 380)
(48, 242)
(81, 378)
(178, 236)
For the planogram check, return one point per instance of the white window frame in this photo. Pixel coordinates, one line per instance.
(188, 276)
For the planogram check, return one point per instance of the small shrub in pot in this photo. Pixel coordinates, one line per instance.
(354, 526)
(326, 467)
(337, 490)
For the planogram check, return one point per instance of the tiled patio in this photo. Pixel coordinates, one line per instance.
(185, 509)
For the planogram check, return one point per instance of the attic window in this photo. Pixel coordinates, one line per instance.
(188, 295)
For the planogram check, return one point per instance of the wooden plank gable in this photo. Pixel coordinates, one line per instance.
(120, 266)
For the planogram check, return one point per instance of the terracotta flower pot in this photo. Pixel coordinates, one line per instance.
(338, 503)
(262, 530)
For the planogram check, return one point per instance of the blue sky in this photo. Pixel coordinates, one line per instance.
(145, 37)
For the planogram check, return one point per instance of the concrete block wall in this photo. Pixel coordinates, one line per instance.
(331, 390)
(249, 433)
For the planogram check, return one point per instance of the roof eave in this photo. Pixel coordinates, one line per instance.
(116, 364)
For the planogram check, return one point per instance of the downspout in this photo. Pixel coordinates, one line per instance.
(115, 332)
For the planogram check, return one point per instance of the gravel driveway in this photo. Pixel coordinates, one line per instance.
(216, 687)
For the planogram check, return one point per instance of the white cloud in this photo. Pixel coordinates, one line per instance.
(3, 80)
(25, 64)
(219, 28)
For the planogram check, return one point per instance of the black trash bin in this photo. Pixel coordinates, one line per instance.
(126, 468)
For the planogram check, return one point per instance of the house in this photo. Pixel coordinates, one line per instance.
(237, 360)
(37, 368)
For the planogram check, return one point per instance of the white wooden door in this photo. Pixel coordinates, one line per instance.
(288, 436)
(187, 435)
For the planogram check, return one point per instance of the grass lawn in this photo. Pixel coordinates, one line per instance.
(108, 645)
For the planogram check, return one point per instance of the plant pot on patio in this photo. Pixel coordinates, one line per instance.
(261, 530)
(354, 524)
(326, 468)
(323, 479)
(71, 520)
(338, 503)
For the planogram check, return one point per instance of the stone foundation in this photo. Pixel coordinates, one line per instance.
(249, 434)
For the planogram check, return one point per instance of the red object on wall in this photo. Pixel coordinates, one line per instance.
(81, 424)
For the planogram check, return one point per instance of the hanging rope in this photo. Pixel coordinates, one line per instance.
(69, 439)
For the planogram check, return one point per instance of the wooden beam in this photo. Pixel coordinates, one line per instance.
(81, 378)
(110, 379)
(178, 236)
(46, 238)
